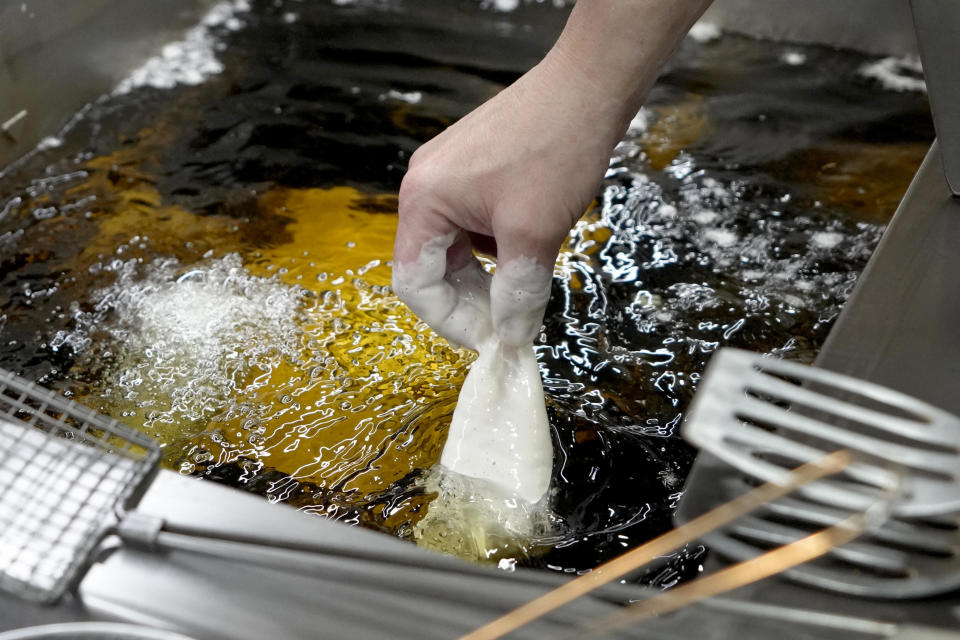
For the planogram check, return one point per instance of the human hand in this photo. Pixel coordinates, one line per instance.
(513, 176)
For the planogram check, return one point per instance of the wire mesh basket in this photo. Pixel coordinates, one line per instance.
(64, 473)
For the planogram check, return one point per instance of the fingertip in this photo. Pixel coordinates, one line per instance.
(418, 273)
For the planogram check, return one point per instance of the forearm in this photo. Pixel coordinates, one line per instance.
(522, 168)
(616, 48)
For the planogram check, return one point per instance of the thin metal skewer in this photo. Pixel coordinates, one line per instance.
(624, 564)
(734, 577)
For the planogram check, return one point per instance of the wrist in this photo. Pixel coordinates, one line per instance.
(607, 101)
(615, 49)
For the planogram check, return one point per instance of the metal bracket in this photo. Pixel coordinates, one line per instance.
(12, 127)
(140, 529)
(937, 23)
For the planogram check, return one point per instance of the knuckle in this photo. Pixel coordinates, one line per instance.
(414, 189)
(529, 231)
(418, 157)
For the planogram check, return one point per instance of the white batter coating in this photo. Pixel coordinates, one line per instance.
(455, 304)
(518, 297)
(499, 431)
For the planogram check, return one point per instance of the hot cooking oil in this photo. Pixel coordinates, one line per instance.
(210, 263)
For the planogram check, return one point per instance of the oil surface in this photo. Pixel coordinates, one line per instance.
(210, 263)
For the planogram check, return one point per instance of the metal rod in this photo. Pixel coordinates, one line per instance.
(734, 577)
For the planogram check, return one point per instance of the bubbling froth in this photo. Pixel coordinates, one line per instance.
(192, 59)
(183, 343)
(474, 519)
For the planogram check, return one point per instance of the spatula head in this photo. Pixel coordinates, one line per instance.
(765, 416)
(904, 558)
(755, 418)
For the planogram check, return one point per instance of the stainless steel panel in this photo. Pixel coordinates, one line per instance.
(899, 328)
(938, 30)
(875, 26)
(57, 56)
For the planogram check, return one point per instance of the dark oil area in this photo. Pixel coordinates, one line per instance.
(210, 264)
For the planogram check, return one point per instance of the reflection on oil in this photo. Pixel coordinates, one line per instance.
(211, 264)
(472, 519)
(297, 358)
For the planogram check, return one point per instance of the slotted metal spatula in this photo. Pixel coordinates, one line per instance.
(756, 417)
(765, 416)
(903, 558)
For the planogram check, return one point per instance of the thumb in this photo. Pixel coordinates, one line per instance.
(521, 284)
(420, 266)
(441, 281)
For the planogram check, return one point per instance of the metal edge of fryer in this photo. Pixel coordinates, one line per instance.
(899, 327)
(881, 27)
(56, 57)
(896, 329)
